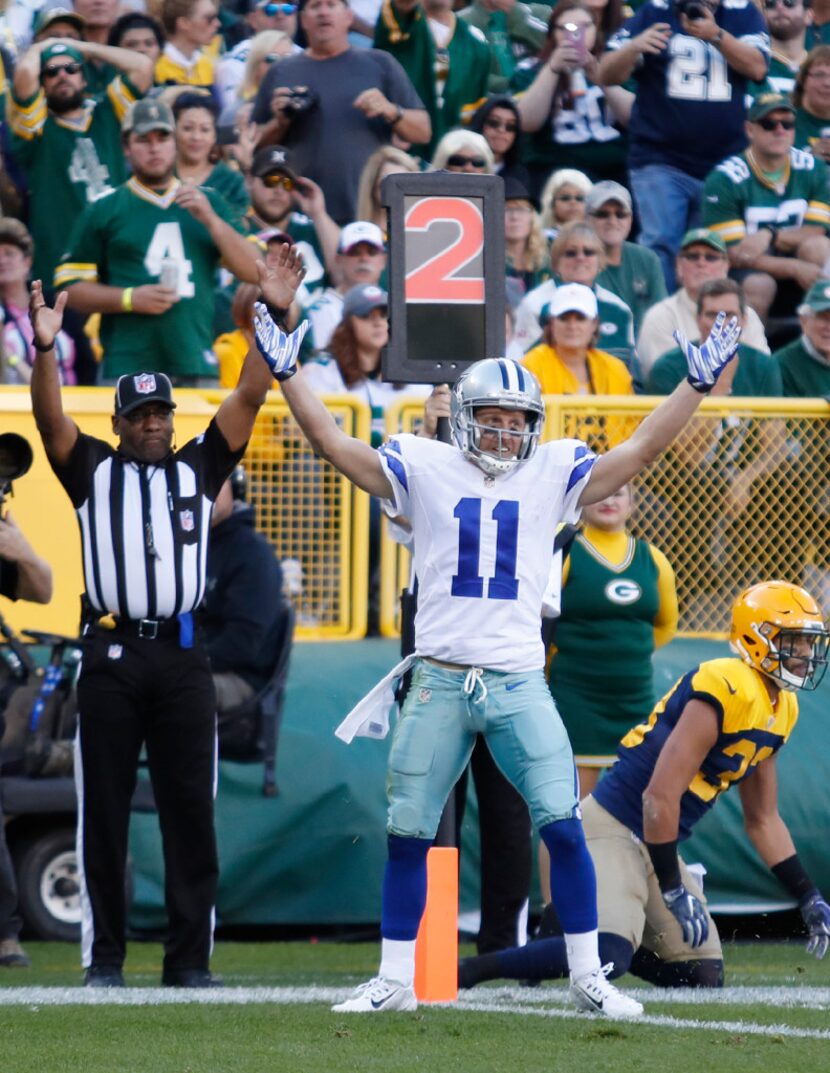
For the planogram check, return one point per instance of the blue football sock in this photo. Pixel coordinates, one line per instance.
(546, 959)
(573, 881)
(404, 887)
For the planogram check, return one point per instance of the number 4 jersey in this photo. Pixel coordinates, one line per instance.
(483, 545)
(123, 240)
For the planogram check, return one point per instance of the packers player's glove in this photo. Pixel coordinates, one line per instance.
(690, 915)
(707, 361)
(816, 915)
(279, 349)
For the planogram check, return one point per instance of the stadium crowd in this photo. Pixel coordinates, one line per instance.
(663, 162)
(645, 150)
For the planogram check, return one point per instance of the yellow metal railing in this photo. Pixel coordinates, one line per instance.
(316, 520)
(742, 496)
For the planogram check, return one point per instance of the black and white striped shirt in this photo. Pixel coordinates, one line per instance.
(144, 527)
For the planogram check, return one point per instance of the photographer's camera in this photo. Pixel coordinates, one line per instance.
(692, 9)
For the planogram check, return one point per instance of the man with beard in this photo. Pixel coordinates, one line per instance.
(281, 200)
(146, 254)
(67, 144)
(788, 22)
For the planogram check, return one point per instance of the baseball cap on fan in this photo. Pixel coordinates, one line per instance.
(362, 299)
(574, 298)
(134, 389)
(817, 299)
(147, 115)
(273, 160)
(58, 50)
(360, 231)
(55, 15)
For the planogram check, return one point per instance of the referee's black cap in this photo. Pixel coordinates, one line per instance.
(134, 389)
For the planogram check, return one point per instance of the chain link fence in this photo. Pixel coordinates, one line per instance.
(742, 496)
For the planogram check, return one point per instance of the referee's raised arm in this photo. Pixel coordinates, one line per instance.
(57, 431)
(238, 412)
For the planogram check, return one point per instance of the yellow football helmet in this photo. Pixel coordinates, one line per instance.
(776, 624)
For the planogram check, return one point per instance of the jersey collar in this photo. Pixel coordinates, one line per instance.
(79, 123)
(163, 201)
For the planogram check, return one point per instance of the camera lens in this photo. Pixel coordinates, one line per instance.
(15, 456)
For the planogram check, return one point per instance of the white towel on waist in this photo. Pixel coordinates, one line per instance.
(370, 716)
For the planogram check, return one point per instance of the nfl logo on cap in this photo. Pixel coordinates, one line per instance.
(145, 383)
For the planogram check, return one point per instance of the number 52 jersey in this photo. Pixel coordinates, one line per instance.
(483, 545)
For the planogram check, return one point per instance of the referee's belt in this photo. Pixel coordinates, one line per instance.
(148, 629)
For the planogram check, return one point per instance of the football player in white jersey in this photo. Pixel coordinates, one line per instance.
(483, 512)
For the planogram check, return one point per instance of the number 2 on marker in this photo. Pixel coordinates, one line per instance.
(437, 280)
(503, 585)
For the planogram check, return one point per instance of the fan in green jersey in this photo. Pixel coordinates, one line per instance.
(770, 206)
(145, 256)
(67, 143)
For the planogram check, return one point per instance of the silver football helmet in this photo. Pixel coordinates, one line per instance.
(495, 382)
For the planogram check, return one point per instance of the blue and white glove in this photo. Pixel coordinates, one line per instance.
(816, 915)
(707, 361)
(280, 349)
(690, 915)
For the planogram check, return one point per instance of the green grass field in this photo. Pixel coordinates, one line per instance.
(273, 1016)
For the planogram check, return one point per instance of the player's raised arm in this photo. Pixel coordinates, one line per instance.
(57, 431)
(659, 429)
(353, 458)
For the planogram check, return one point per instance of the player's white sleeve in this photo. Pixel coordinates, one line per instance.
(394, 466)
(552, 597)
(584, 460)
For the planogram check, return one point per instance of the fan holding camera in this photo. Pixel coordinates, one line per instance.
(23, 576)
(333, 105)
(692, 61)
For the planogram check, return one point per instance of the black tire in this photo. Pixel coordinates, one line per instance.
(48, 886)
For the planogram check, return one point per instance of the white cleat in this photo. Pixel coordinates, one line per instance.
(379, 996)
(595, 993)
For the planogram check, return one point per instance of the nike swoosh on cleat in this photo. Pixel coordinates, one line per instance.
(514, 685)
(381, 1004)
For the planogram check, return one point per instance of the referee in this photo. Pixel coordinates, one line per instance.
(144, 512)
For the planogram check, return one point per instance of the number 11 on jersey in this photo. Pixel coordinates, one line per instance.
(503, 585)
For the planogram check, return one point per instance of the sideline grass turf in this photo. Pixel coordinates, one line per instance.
(757, 1027)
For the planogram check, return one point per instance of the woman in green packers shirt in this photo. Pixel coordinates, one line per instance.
(571, 122)
(619, 602)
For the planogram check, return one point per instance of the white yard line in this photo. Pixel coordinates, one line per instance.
(547, 1002)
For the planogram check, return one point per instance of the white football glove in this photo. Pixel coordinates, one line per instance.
(707, 361)
(278, 348)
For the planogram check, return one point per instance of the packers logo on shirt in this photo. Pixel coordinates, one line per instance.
(622, 591)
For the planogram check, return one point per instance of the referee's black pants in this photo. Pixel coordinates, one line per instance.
(134, 690)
